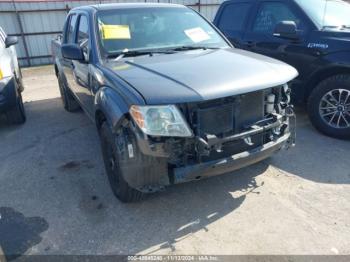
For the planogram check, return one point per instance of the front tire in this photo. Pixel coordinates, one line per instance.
(329, 106)
(111, 156)
(17, 115)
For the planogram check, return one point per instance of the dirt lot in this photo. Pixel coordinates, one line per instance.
(55, 198)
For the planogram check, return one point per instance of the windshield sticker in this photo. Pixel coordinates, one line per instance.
(115, 32)
(121, 67)
(197, 34)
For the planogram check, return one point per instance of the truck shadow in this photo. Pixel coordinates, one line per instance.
(316, 157)
(190, 208)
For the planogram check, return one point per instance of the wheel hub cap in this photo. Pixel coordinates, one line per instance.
(341, 108)
(334, 108)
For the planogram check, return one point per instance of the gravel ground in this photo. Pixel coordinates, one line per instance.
(55, 197)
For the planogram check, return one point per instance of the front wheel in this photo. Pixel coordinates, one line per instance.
(111, 157)
(329, 106)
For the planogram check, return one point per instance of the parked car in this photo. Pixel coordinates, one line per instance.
(171, 99)
(11, 86)
(313, 36)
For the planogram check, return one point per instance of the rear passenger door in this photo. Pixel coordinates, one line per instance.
(232, 20)
(81, 72)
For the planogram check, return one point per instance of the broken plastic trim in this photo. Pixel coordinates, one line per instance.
(256, 128)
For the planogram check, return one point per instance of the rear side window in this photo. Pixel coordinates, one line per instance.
(2, 38)
(83, 35)
(70, 29)
(83, 31)
(270, 14)
(234, 16)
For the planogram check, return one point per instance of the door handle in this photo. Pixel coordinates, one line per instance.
(250, 44)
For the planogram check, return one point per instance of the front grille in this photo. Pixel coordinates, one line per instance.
(222, 118)
(216, 120)
(225, 116)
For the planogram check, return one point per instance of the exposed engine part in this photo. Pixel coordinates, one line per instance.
(270, 103)
(286, 91)
(225, 127)
(248, 141)
(292, 125)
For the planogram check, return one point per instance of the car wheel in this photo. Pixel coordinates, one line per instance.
(329, 106)
(111, 156)
(69, 102)
(17, 115)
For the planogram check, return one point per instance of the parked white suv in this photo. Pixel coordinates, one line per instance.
(11, 85)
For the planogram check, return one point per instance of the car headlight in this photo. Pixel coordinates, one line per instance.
(4, 75)
(3, 80)
(160, 120)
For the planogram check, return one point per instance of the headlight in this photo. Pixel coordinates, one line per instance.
(4, 74)
(160, 120)
(3, 79)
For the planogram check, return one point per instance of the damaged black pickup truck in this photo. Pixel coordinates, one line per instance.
(172, 100)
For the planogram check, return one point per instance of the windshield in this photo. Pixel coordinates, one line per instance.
(133, 29)
(327, 13)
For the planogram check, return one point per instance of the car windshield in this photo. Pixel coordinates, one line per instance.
(327, 13)
(139, 29)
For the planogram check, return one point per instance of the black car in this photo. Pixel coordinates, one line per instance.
(11, 85)
(171, 99)
(311, 35)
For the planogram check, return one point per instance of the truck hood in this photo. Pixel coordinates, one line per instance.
(200, 75)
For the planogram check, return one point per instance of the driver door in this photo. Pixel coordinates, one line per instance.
(260, 38)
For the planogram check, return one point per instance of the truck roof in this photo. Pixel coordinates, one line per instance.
(126, 6)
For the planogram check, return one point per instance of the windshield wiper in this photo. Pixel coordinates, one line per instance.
(330, 26)
(130, 53)
(192, 47)
(336, 26)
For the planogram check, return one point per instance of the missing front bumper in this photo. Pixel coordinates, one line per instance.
(280, 131)
(229, 164)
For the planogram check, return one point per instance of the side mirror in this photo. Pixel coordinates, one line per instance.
(10, 41)
(286, 30)
(72, 52)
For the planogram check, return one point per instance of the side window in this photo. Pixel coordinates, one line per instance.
(70, 29)
(270, 14)
(83, 31)
(2, 38)
(234, 16)
(83, 35)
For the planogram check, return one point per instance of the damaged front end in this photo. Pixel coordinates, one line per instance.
(226, 134)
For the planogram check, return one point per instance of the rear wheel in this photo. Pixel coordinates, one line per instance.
(329, 106)
(69, 102)
(17, 115)
(111, 157)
